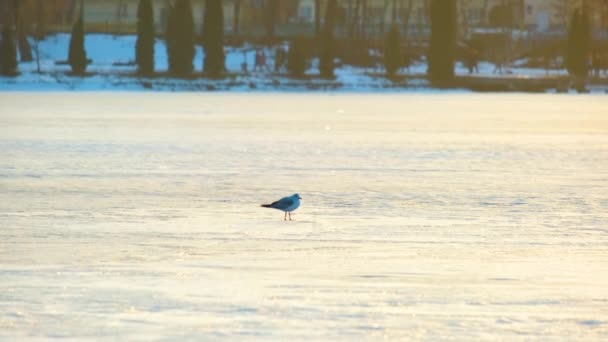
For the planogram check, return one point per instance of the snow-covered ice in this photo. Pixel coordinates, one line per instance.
(135, 216)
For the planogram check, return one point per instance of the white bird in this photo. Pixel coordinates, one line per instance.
(285, 204)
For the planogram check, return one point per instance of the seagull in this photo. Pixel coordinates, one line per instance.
(285, 204)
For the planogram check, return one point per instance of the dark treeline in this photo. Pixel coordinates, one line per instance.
(180, 36)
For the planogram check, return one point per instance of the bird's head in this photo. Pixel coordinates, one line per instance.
(297, 196)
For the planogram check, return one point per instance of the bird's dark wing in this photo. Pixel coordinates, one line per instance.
(282, 203)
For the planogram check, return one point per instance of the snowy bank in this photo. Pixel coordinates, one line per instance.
(113, 68)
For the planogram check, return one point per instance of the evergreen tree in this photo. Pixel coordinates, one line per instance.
(326, 60)
(392, 51)
(296, 58)
(181, 39)
(144, 48)
(77, 56)
(443, 41)
(213, 35)
(8, 53)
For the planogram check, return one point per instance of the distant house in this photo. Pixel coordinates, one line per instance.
(120, 16)
(306, 11)
(379, 14)
(542, 16)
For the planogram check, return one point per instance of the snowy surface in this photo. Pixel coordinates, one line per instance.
(135, 216)
(112, 68)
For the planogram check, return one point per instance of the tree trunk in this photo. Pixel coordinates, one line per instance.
(16, 13)
(364, 19)
(465, 20)
(25, 50)
(271, 12)
(443, 42)
(40, 20)
(213, 30)
(317, 18)
(40, 32)
(236, 17)
(484, 20)
(144, 46)
(71, 14)
(8, 53)
(382, 19)
(406, 18)
(326, 60)
(354, 31)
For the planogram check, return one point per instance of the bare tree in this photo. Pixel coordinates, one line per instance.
(427, 11)
(364, 18)
(484, 15)
(382, 21)
(464, 18)
(600, 10)
(394, 13)
(406, 15)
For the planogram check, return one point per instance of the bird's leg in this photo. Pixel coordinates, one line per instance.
(290, 216)
(285, 218)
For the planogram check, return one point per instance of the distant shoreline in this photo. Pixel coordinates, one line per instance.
(112, 69)
(97, 81)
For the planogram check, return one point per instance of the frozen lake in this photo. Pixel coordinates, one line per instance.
(424, 217)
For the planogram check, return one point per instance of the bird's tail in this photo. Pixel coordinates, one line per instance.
(266, 206)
